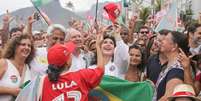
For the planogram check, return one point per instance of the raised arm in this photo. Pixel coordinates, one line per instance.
(5, 30)
(131, 28)
(28, 27)
(188, 79)
(121, 51)
(99, 39)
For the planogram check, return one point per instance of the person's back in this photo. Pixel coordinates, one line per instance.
(62, 85)
(73, 86)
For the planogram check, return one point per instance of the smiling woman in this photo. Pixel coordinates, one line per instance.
(18, 53)
(136, 65)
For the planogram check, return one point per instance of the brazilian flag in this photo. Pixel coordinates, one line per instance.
(114, 89)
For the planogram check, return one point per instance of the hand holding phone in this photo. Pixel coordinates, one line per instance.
(36, 16)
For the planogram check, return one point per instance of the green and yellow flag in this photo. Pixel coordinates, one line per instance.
(114, 89)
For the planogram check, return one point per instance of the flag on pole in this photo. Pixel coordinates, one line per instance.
(39, 3)
(114, 89)
(169, 21)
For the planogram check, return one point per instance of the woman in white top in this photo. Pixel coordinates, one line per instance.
(107, 47)
(115, 53)
(14, 69)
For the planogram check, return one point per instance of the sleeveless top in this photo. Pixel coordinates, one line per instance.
(11, 78)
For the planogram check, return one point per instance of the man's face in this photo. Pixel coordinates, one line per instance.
(197, 36)
(144, 33)
(17, 33)
(76, 38)
(124, 35)
(57, 37)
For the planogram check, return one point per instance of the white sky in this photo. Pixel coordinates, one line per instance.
(12, 5)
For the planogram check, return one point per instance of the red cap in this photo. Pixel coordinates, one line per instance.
(59, 53)
(112, 10)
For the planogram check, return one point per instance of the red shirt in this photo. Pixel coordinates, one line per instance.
(72, 86)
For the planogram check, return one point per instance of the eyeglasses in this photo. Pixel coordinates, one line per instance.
(144, 32)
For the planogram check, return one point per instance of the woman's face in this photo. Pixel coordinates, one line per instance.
(24, 48)
(167, 44)
(107, 47)
(135, 56)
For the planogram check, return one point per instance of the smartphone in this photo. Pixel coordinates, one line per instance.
(36, 16)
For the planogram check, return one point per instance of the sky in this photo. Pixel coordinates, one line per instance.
(12, 5)
(16, 4)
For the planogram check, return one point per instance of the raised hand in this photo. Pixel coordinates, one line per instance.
(132, 22)
(31, 19)
(7, 18)
(99, 39)
(183, 59)
(100, 60)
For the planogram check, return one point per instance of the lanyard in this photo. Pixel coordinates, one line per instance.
(162, 75)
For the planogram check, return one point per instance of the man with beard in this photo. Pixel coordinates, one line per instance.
(194, 33)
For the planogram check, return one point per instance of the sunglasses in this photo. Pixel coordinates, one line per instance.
(144, 32)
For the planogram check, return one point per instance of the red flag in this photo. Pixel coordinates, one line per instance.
(113, 11)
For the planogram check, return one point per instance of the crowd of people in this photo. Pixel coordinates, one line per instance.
(79, 58)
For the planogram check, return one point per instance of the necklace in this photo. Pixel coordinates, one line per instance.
(20, 68)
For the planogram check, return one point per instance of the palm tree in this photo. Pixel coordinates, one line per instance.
(186, 17)
(144, 14)
(157, 5)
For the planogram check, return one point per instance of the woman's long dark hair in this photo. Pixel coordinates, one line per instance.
(54, 72)
(141, 66)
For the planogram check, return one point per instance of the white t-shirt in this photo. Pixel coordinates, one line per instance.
(78, 62)
(39, 64)
(196, 50)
